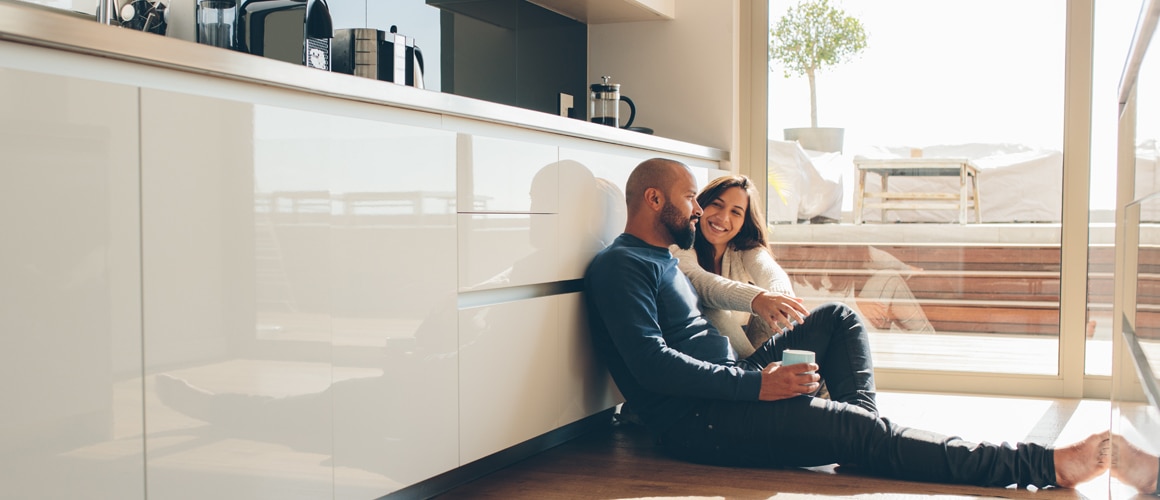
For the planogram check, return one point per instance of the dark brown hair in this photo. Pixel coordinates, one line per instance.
(752, 233)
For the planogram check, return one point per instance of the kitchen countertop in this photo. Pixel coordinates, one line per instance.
(28, 24)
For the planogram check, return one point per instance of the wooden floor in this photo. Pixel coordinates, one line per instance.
(620, 462)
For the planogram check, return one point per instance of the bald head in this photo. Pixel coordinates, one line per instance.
(655, 173)
(662, 203)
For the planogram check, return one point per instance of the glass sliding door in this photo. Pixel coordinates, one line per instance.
(936, 210)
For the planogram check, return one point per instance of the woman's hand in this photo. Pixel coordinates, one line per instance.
(783, 382)
(875, 312)
(780, 311)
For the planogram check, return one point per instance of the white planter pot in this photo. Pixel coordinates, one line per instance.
(824, 139)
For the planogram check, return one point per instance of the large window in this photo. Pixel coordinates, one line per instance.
(939, 215)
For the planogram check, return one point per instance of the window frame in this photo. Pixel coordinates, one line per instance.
(749, 157)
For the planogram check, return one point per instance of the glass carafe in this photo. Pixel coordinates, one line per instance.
(216, 23)
(604, 103)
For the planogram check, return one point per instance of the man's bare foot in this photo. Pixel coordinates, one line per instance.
(1133, 466)
(1081, 462)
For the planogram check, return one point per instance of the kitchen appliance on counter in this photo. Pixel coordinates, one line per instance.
(295, 31)
(140, 15)
(217, 22)
(371, 53)
(604, 104)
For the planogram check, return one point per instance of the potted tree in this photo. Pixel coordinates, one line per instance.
(810, 37)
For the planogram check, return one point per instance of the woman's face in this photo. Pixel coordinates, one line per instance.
(723, 217)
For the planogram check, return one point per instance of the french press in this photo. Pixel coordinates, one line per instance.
(604, 104)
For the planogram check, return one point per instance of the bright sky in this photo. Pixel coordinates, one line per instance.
(987, 71)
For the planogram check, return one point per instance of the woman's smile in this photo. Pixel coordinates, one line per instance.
(722, 219)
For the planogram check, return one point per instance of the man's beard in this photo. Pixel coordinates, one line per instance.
(681, 229)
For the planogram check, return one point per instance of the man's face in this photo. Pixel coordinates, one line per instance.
(681, 212)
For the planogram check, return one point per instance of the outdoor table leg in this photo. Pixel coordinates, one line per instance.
(978, 211)
(963, 194)
(859, 193)
(885, 177)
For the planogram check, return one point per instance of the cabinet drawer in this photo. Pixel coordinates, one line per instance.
(509, 365)
(502, 250)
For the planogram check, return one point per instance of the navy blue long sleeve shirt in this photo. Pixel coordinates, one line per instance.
(662, 353)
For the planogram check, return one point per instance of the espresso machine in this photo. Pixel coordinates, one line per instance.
(295, 31)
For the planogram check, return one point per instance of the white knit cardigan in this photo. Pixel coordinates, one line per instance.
(727, 299)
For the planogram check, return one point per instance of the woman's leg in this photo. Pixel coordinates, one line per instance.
(841, 345)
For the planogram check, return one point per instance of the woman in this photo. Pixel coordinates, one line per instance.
(731, 243)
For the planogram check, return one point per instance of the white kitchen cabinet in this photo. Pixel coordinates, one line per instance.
(393, 244)
(70, 348)
(237, 362)
(526, 367)
(509, 364)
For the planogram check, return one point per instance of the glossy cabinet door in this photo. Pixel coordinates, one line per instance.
(393, 251)
(70, 328)
(509, 364)
(237, 315)
(584, 381)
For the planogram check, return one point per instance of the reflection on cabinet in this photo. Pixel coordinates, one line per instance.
(231, 414)
(393, 239)
(70, 295)
(294, 265)
(502, 250)
(507, 176)
(586, 381)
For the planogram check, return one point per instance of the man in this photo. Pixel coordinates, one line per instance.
(684, 380)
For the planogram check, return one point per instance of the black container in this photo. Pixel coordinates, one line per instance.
(295, 31)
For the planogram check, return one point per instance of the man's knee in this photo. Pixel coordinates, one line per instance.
(836, 310)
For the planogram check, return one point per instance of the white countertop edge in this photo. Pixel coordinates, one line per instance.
(36, 26)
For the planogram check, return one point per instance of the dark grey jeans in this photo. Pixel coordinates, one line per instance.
(805, 431)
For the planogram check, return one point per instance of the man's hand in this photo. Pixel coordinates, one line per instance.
(782, 382)
(780, 311)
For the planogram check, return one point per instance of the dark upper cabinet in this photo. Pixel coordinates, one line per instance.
(512, 52)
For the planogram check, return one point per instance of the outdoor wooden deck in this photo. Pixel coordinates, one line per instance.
(966, 288)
